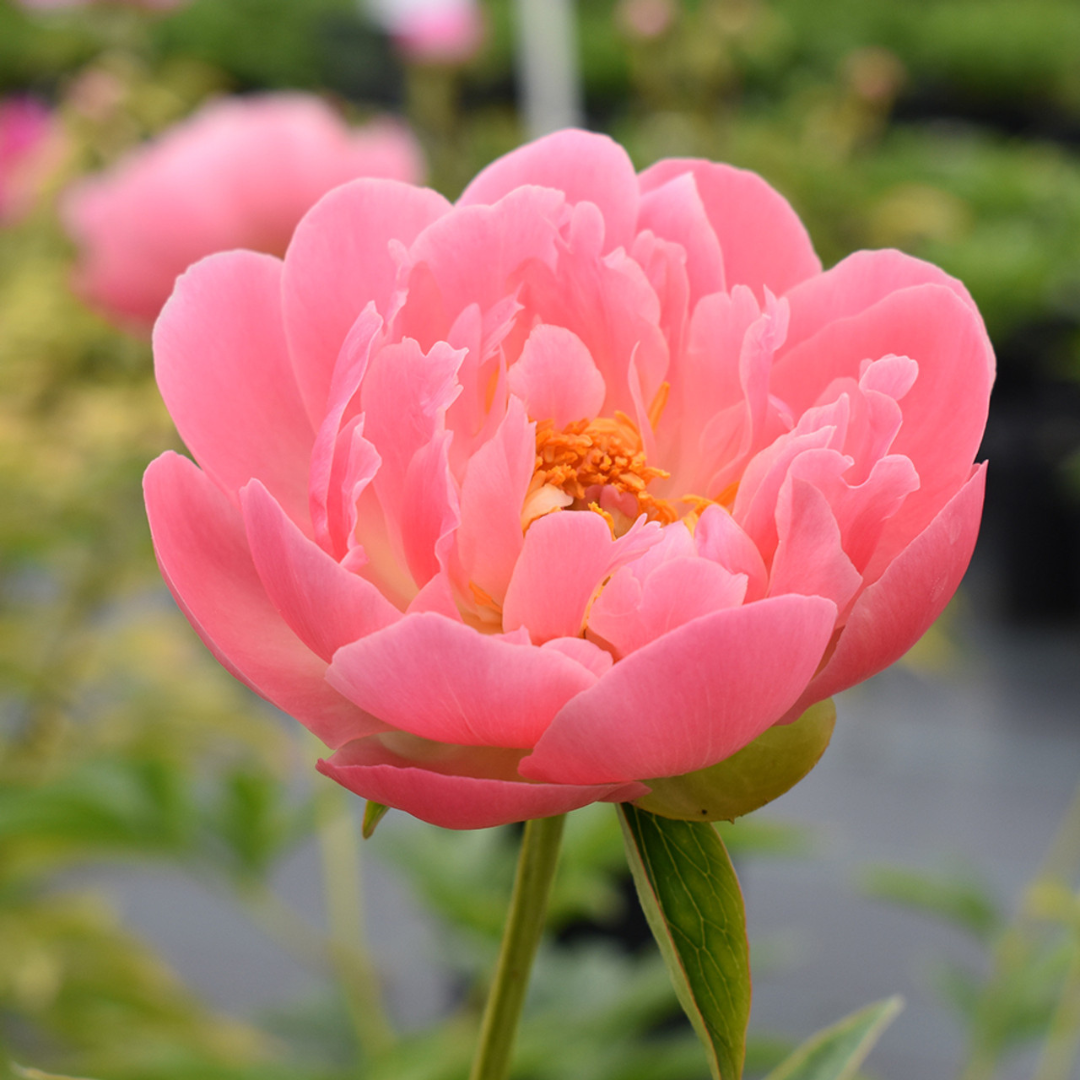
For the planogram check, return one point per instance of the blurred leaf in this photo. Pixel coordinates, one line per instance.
(691, 897)
(837, 1052)
(956, 900)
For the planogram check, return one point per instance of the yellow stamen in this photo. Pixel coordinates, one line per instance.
(598, 453)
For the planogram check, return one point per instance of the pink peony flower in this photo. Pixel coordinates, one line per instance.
(588, 479)
(31, 145)
(433, 31)
(239, 173)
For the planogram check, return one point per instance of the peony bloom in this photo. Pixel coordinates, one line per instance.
(588, 479)
(433, 31)
(31, 145)
(239, 173)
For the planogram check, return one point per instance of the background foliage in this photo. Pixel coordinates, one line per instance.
(944, 127)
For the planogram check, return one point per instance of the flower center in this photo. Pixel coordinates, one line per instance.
(576, 464)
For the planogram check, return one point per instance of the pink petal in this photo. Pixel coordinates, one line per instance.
(630, 613)
(458, 801)
(585, 167)
(326, 605)
(857, 283)
(556, 378)
(894, 612)
(608, 302)
(765, 245)
(689, 699)
(338, 260)
(447, 682)
(492, 494)
(674, 211)
(471, 256)
(565, 558)
(203, 554)
(349, 372)
(404, 398)
(809, 558)
(944, 412)
(429, 512)
(718, 537)
(223, 369)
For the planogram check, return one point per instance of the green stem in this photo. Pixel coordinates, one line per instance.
(524, 925)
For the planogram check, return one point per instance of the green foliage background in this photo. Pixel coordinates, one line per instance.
(944, 127)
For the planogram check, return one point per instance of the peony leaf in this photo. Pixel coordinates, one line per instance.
(774, 762)
(837, 1052)
(691, 897)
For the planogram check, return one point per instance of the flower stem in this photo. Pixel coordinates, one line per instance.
(524, 925)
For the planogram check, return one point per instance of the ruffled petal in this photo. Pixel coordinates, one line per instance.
(339, 259)
(223, 368)
(492, 494)
(689, 699)
(326, 605)
(765, 245)
(443, 681)
(458, 800)
(203, 554)
(584, 166)
(944, 411)
(894, 612)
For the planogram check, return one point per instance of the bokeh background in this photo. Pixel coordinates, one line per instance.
(182, 899)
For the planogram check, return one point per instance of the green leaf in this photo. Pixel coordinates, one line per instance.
(958, 900)
(837, 1052)
(760, 772)
(691, 897)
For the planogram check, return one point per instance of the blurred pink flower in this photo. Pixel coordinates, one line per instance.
(588, 479)
(239, 173)
(31, 145)
(433, 31)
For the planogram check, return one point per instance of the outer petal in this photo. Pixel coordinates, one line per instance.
(765, 245)
(458, 801)
(857, 283)
(326, 605)
(203, 554)
(446, 682)
(894, 612)
(689, 699)
(223, 368)
(338, 260)
(586, 167)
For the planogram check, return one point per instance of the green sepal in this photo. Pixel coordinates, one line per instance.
(837, 1052)
(694, 906)
(760, 772)
(374, 812)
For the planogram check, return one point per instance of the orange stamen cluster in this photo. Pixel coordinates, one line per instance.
(601, 452)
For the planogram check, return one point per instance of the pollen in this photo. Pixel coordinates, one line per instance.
(590, 454)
